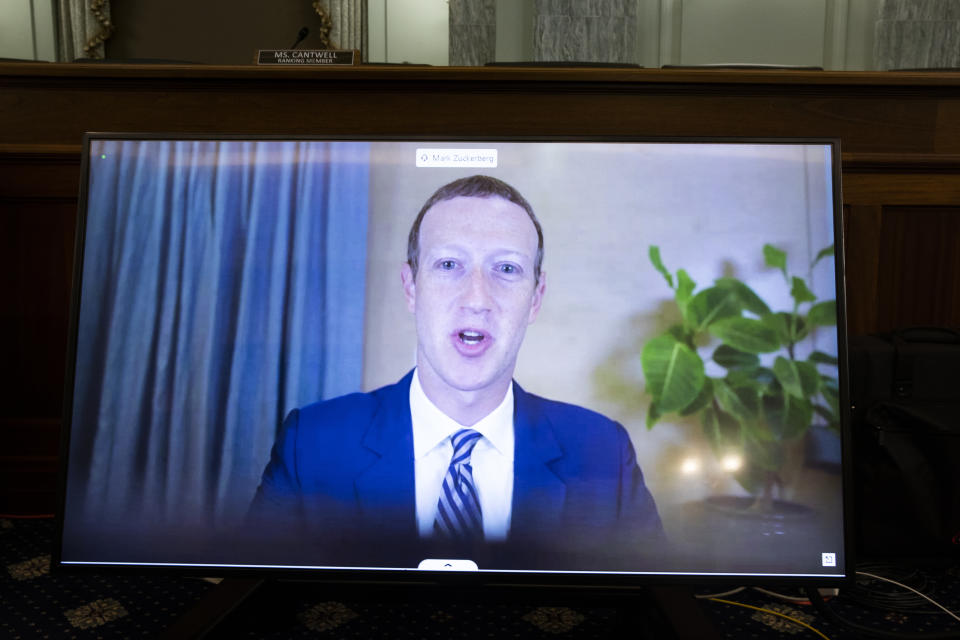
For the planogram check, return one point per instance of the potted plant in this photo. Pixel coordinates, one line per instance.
(769, 394)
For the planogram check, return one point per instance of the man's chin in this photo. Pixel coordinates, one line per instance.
(473, 381)
(470, 385)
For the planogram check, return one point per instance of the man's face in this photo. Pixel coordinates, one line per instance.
(474, 292)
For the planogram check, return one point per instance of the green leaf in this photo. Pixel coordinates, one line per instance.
(786, 372)
(677, 332)
(756, 378)
(800, 328)
(809, 378)
(826, 251)
(789, 327)
(746, 334)
(673, 371)
(731, 402)
(763, 456)
(741, 403)
(749, 300)
(830, 390)
(819, 357)
(653, 415)
(704, 398)
(751, 477)
(730, 358)
(823, 314)
(710, 305)
(781, 323)
(654, 253)
(800, 292)
(685, 287)
(721, 431)
(775, 258)
(788, 416)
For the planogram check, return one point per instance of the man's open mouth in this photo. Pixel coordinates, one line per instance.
(470, 337)
(471, 343)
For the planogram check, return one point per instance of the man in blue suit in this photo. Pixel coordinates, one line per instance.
(456, 461)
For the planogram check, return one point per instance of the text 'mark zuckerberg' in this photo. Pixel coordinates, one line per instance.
(467, 158)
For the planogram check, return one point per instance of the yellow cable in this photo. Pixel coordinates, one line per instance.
(776, 613)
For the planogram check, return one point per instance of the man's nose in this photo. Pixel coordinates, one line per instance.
(476, 293)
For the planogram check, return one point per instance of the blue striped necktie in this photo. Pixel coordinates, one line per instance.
(458, 511)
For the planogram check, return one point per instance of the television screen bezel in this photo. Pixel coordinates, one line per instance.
(402, 578)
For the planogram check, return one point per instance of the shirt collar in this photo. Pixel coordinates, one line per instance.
(431, 426)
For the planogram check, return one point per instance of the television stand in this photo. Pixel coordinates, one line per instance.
(212, 609)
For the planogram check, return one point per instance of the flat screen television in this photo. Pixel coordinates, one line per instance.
(556, 361)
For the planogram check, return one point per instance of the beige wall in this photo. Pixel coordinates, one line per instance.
(27, 30)
(409, 31)
(709, 210)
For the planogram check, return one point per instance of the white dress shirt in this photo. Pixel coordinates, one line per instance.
(492, 461)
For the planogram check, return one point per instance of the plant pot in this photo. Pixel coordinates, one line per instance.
(747, 507)
(730, 534)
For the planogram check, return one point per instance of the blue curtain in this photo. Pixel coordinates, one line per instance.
(222, 285)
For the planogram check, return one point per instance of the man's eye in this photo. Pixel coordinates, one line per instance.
(509, 269)
(448, 265)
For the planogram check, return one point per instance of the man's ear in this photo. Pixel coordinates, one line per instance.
(409, 286)
(539, 289)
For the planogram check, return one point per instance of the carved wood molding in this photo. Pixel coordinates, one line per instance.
(485, 75)
(33, 153)
(901, 163)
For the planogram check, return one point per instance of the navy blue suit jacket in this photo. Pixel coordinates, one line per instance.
(339, 489)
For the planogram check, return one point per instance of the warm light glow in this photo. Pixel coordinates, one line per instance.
(731, 462)
(690, 466)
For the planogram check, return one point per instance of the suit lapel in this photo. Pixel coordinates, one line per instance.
(385, 490)
(538, 493)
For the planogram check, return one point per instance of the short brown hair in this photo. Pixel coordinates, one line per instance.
(473, 187)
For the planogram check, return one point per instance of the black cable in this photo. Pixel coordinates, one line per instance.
(818, 603)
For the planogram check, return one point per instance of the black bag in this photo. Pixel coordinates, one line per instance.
(905, 396)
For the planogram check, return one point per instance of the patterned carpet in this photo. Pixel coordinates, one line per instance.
(36, 604)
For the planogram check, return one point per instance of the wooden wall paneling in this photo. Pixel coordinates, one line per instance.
(903, 240)
(37, 267)
(38, 205)
(907, 185)
(36, 171)
(918, 271)
(948, 127)
(58, 103)
(862, 228)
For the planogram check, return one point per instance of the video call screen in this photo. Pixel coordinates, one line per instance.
(245, 332)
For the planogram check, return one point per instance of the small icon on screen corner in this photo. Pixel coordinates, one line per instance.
(828, 559)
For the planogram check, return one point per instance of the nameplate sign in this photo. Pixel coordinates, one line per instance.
(327, 57)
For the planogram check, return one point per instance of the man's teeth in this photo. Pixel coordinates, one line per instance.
(471, 337)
